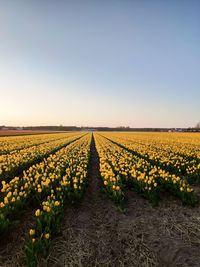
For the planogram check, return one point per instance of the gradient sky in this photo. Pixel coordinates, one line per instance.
(100, 63)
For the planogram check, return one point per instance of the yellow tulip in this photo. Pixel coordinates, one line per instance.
(31, 232)
(37, 213)
(46, 236)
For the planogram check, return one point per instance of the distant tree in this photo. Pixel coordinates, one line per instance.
(198, 125)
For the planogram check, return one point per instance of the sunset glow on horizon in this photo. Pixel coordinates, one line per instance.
(100, 63)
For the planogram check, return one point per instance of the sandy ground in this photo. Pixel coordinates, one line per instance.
(23, 132)
(12, 243)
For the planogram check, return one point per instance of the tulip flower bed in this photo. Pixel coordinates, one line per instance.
(34, 185)
(178, 156)
(12, 144)
(69, 186)
(14, 163)
(46, 173)
(119, 168)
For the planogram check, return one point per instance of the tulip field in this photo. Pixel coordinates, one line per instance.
(148, 165)
(47, 179)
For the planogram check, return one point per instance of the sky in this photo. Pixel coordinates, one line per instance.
(100, 63)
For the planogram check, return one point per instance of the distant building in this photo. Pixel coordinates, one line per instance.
(88, 130)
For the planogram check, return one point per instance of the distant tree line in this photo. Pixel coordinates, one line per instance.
(103, 129)
(194, 129)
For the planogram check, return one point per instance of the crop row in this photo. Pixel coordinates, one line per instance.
(12, 143)
(14, 163)
(34, 185)
(180, 159)
(120, 169)
(70, 168)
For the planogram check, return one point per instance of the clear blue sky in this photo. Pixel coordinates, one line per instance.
(99, 63)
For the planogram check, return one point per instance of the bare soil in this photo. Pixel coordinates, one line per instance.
(12, 243)
(96, 233)
(23, 132)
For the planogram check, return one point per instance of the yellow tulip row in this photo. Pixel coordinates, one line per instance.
(35, 183)
(189, 145)
(12, 143)
(121, 167)
(179, 139)
(69, 186)
(111, 181)
(14, 163)
(175, 155)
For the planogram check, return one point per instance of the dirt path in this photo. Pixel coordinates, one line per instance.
(171, 231)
